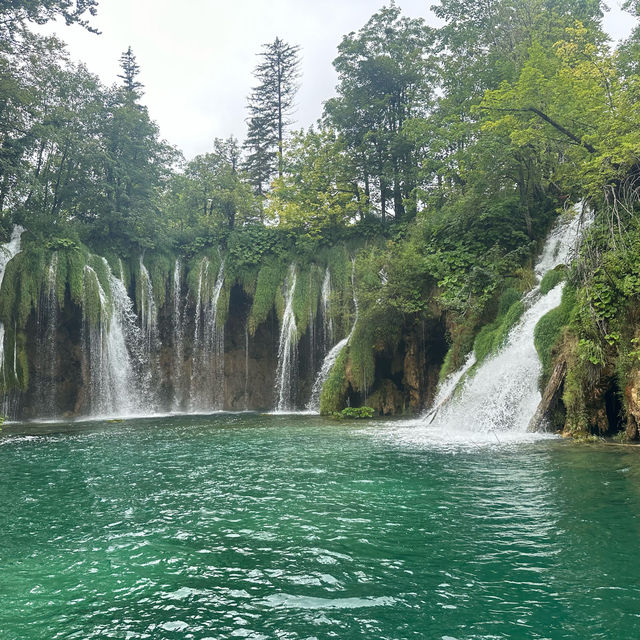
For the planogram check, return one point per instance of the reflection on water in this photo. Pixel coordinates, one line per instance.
(251, 526)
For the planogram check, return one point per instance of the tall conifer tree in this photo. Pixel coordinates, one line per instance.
(130, 71)
(270, 106)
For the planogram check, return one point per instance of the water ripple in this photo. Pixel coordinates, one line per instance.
(287, 527)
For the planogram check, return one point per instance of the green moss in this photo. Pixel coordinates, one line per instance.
(493, 336)
(334, 390)
(508, 298)
(268, 287)
(93, 307)
(362, 357)
(71, 265)
(549, 329)
(341, 303)
(160, 267)
(222, 309)
(461, 345)
(307, 295)
(573, 398)
(552, 278)
(22, 364)
(198, 266)
(22, 286)
(103, 271)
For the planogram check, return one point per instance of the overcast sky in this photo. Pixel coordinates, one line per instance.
(197, 56)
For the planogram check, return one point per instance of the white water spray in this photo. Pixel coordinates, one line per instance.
(503, 394)
(330, 359)
(178, 338)
(207, 373)
(118, 380)
(287, 350)
(327, 320)
(148, 311)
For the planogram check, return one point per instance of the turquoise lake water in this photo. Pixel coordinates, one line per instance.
(292, 527)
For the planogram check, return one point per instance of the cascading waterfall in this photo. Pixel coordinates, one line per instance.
(207, 374)
(448, 387)
(47, 328)
(287, 350)
(148, 311)
(246, 364)
(177, 331)
(330, 359)
(7, 252)
(327, 320)
(503, 394)
(114, 352)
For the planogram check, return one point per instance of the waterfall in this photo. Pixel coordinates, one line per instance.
(503, 394)
(177, 331)
(332, 356)
(7, 252)
(47, 348)
(207, 373)
(148, 311)
(287, 350)
(114, 352)
(246, 364)
(327, 320)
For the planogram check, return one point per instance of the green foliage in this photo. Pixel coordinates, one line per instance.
(307, 295)
(362, 356)
(354, 413)
(268, 286)
(22, 286)
(334, 390)
(93, 307)
(160, 266)
(493, 336)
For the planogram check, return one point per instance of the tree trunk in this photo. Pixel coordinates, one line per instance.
(550, 396)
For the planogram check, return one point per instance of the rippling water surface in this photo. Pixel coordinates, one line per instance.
(290, 527)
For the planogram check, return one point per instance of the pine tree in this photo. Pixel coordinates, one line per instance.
(130, 70)
(270, 105)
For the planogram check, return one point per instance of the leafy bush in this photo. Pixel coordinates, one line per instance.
(354, 413)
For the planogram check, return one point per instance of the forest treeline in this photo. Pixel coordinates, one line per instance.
(444, 156)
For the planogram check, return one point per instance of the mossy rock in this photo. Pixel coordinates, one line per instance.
(387, 400)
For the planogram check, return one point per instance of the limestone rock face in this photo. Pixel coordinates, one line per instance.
(388, 400)
(632, 398)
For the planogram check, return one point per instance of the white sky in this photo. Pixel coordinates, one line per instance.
(197, 56)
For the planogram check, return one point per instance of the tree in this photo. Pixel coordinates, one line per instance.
(135, 163)
(14, 14)
(270, 106)
(384, 80)
(211, 196)
(318, 191)
(130, 71)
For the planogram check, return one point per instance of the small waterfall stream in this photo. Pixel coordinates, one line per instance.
(47, 348)
(334, 352)
(327, 320)
(177, 332)
(148, 311)
(287, 350)
(207, 373)
(503, 394)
